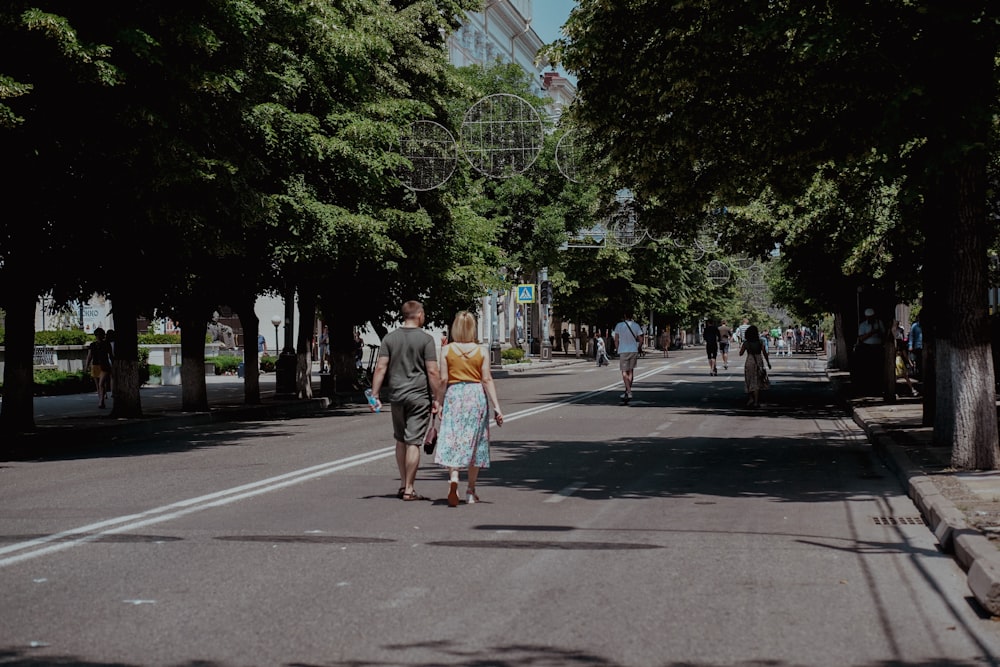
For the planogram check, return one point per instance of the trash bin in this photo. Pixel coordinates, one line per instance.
(240, 369)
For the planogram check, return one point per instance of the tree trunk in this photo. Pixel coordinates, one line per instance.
(304, 345)
(194, 391)
(956, 231)
(342, 365)
(964, 395)
(125, 369)
(17, 410)
(251, 358)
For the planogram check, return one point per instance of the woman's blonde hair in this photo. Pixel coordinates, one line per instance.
(464, 328)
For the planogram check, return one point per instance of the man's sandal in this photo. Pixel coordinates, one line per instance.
(413, 496)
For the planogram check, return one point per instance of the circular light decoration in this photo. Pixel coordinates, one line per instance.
(502, 135)
(624, 227)
(707, 241)
(742, 262)
(718, 273)
(568, 156)
(755, 274)
(432, 151)
(625, 233)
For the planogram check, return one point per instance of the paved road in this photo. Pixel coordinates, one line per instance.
(683, 529)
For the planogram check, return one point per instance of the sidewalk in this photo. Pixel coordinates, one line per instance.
(961, 508)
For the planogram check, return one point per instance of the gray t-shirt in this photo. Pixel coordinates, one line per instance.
(409, 349)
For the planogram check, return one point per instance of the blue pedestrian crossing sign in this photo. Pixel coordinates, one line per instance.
(525, 293)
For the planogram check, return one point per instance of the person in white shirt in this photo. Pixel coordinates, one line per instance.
(628, 341)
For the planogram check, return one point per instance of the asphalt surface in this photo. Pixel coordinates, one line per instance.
(961, 508)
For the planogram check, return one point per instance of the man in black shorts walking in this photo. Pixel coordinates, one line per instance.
(711, 337)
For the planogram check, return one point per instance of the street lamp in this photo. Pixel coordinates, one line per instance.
(276, 320)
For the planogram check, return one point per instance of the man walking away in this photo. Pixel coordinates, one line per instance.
(711, 337)
(628, 339)
(408, 356)
(725, 338)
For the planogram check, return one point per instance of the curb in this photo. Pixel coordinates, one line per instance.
(972, 550)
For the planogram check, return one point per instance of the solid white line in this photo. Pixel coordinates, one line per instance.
(73, 537)
(92, 532)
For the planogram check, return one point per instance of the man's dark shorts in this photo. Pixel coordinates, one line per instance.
(724, 347)
(410, 419)
(712, 349)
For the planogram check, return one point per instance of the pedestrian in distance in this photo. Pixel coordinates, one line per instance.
(904, 366)
(324, 349)
(628, 341)
(408, 358)
(602, 351)
(261, 345)
(868, 352)
(359, 349)
(725, 339)
(565, 341)
(916, 348)
(465, 384)
(741, 330)
(99, 363)
(754, 376)
(711, 337)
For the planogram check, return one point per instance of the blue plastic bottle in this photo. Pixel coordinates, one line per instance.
(371, 399)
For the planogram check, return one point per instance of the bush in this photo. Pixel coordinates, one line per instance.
(63, 337)
(51, 382)
(224, 364)
(267, 364)
(513, 355)
(159, 339)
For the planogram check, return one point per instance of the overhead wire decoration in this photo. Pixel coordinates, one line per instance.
(502, 135)
(432, 152)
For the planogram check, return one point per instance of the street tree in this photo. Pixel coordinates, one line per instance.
(709, 101)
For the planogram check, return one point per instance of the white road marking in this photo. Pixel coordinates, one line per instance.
(73, 537)
(70, 538)
(563, 494)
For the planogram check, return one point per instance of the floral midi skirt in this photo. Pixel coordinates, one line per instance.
(752, 372)
(464, 435)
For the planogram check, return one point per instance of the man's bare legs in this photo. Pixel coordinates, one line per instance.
(408, 461)
(627, 379)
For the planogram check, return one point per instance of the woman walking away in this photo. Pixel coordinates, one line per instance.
(466, 381)
(99, 362)
(754, 375)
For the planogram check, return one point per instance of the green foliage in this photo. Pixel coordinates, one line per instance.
(268, 363)
(224, 364)
(159, 339)
(512, 355)
(52, 382)
(63, 337)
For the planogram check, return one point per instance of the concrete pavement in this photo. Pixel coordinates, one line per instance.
(961, 508)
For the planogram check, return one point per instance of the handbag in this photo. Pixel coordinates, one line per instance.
(431, 436)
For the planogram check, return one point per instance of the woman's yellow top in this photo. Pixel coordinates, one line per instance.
(464, 366)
